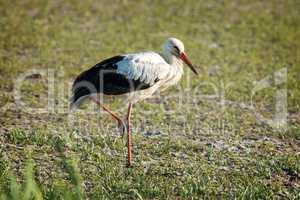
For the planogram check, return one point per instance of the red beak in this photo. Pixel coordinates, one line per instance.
(185, 59)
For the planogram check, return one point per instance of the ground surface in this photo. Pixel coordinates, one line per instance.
(200, 139)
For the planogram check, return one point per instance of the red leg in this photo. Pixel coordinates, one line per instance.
(129, 135)
(114, 115)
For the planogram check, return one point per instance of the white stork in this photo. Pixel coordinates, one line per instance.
(139, 75)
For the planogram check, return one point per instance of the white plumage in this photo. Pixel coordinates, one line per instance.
(146, 67)
(150, 68)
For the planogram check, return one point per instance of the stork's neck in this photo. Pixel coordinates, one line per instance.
(176, 67)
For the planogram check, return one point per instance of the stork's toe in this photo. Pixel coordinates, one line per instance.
(122, 127)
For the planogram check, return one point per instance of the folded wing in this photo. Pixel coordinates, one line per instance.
(119, 75)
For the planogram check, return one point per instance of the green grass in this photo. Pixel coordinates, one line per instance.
(200, 150)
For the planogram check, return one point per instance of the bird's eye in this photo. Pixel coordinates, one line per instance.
(177, 49)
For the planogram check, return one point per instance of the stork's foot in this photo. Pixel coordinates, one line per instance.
(129, 165)
(122, 127)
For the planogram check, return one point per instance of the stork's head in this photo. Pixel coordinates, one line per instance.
(175, 48)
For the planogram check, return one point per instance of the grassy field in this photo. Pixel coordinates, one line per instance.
(210, 137)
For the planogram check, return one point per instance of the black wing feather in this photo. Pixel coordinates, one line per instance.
(103, 78)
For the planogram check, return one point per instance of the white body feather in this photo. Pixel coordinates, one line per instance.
(148, 67)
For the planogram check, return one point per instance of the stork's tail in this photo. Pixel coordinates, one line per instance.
(79, 95)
